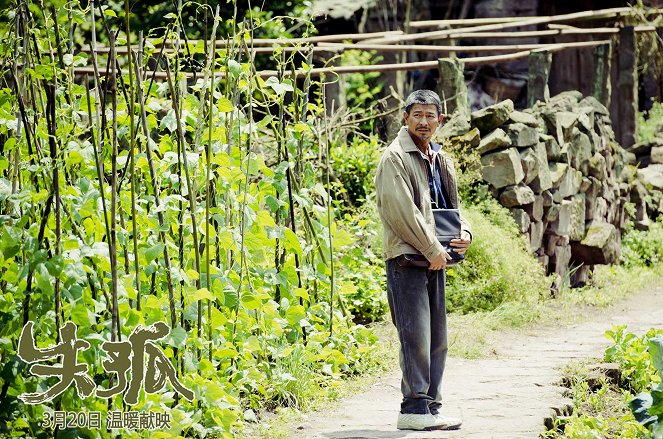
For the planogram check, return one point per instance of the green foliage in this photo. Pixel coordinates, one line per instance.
(237, 245)
(649, 123)
(640, 360)
(647, 407)
(498, 267)
(364, 286)
(354, 166)
(471, 186)
(360, 89)
(632, 354)
(643, 248)
(598, 414)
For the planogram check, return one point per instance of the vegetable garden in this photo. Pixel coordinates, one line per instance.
(127, 200)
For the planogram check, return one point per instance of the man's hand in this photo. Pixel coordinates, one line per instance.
(461, 245)
(440, 261)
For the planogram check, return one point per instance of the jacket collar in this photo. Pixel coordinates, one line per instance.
(408, 144)
(406, 141)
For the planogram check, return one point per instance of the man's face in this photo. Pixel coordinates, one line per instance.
(422, 121)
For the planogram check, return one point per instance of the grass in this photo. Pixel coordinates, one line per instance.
(278, 424)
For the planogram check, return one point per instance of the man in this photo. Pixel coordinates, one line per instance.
(412, 178)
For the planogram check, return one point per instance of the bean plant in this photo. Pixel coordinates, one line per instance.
(199, 199)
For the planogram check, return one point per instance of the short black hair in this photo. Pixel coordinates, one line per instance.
(424, 97)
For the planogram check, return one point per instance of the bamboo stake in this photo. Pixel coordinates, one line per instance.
(329, 225)
(279, 134)
(191, 191)
(208, 178)
(132, 154)
(157, 195)
(115, 324)
(52, 143)
(93, 45)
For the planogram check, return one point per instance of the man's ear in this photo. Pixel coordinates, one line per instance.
(405, 115)
(440, 118)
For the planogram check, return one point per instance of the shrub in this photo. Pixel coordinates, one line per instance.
(649, 121)
(498, 267)
(643, 247)
(362, 273)
(354, 165)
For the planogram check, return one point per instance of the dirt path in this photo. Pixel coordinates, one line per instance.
(504, 397)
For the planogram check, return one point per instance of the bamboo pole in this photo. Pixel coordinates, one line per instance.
(434, 48)
(317, 39)
(421, 65)
(482, 21)
(603, 13)
(465, 21)
(542, 33)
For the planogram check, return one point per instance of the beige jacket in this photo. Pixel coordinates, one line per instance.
(403, 199)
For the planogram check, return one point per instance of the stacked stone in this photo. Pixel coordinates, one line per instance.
(647, 189)
(557, 167)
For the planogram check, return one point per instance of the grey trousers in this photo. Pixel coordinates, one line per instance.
(418, 310)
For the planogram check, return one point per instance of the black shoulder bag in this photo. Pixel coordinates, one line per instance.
(447, 227)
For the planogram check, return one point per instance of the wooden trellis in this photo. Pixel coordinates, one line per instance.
(538, 55)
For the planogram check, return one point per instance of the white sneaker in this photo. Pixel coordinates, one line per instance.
(450, 423)
(414, 421)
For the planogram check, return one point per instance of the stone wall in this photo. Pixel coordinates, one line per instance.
(647, 189)
(565, 179)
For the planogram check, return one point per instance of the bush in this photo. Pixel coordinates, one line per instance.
(361, 271)
(649, 121)
(643, 248)
(498, 267)
(354, 165)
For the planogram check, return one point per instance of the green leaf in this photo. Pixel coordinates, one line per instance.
(169, 121)
(656, 352)
(294, 314)
(5, 188)
(202, 294)
(235, 68)
(251, 301)
(109, 12)
(225, 105)
(4, 163)
(176, 338)
(292, 242)
(278, 87)
(301, 292)
(152, 253)
(656, 408)
(82, 316)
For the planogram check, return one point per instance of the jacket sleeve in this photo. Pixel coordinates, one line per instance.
(398, 211)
